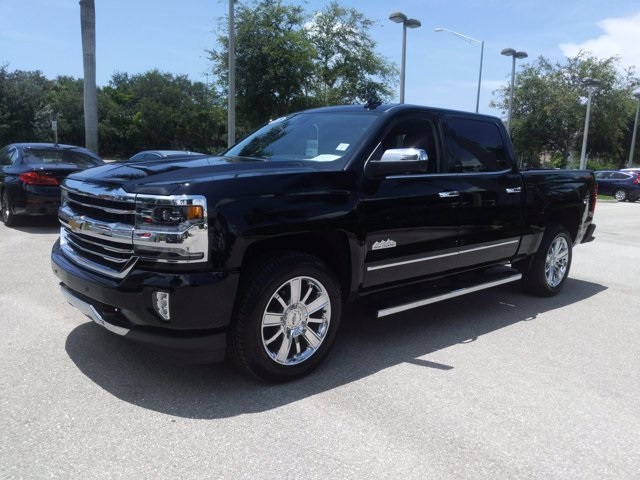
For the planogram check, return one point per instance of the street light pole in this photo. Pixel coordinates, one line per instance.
(231, 100)
(470, 39)
(399, 17)
(590, 83)
(510, 52)
(635, 93)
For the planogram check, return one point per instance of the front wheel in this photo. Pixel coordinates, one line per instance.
(548, 271)
(621, 195)
(287, 316)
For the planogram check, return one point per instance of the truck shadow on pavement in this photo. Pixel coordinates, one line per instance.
(365, 345)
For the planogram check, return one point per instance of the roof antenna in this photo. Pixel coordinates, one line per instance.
(372, 103)
(371, 93)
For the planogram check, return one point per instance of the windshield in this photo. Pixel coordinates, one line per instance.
(327, 138)
(35, 156)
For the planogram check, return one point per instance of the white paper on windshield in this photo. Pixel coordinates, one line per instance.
(325, 157)
(342, 147)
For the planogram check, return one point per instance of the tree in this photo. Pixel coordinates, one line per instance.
(288, 60)
(22, 95)
(347, 67)
(549, 108)
(63, 98)
(88, 31)
(157, 110)
(273, 60)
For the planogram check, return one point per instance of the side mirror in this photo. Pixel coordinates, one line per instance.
(398, 161)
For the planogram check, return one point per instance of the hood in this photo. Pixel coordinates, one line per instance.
(164, 176)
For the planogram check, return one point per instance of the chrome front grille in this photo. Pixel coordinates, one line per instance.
(97, 228)
(102, 209)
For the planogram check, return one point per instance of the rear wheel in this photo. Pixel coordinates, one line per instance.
(286, 318)
(621, 195)
(548, 271)
(8, 217)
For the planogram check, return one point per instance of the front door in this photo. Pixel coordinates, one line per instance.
(410, 220)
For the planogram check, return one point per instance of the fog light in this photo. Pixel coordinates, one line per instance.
(161, 304)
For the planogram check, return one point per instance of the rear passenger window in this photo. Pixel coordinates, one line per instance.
(619, 176)
(476, 146)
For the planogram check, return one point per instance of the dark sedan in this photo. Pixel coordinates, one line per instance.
(30, 176)
(624, 186)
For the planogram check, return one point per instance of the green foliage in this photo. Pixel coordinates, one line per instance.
(288, 60)
(550, 106)
(22, 95)
(159, 111)
(347, 70)
(273, 61)
(153, 110)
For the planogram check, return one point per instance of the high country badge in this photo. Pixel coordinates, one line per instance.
(383, 244)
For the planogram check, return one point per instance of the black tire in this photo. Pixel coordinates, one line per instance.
(621, 195)
(7, 215)
(547, 272)
(273, 335)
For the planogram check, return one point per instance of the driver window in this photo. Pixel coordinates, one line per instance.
(411, 133)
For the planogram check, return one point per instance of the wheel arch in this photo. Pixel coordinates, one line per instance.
(333, 248)
(569, 218)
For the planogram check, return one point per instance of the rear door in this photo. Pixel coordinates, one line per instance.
(491, 189)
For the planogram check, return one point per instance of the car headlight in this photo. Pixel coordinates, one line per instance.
(171, 229)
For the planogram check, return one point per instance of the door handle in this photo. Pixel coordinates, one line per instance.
(450, 194)
(514, 190)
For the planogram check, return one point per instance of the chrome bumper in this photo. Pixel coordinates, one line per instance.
(90, 311)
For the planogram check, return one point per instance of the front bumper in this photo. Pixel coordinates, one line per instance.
(201, 307)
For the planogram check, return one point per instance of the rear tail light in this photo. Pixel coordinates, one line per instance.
(35, 178)
(636, 180)
(594, 197)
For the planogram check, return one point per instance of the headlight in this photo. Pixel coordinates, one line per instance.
(177, 215)
(170, 212)
(171, 229)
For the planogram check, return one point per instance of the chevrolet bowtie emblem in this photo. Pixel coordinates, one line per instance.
(75, 225)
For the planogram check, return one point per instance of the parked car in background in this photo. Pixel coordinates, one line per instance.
(157, 154)
(31, 173)
(624, 186)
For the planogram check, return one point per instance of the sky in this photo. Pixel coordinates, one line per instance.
(135, 36)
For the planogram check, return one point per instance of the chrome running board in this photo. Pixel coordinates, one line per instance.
(512, 277)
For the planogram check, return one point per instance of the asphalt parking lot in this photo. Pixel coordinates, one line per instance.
(495, 385)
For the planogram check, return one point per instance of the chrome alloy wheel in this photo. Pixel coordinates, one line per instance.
(555, 266)
(296, 320)
(620, 195)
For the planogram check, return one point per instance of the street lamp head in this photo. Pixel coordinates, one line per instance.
(398, 17)
(412, 23)
(510, 52)
(591, 82)
(439, 29)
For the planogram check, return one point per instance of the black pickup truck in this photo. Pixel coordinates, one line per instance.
(254, 252)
